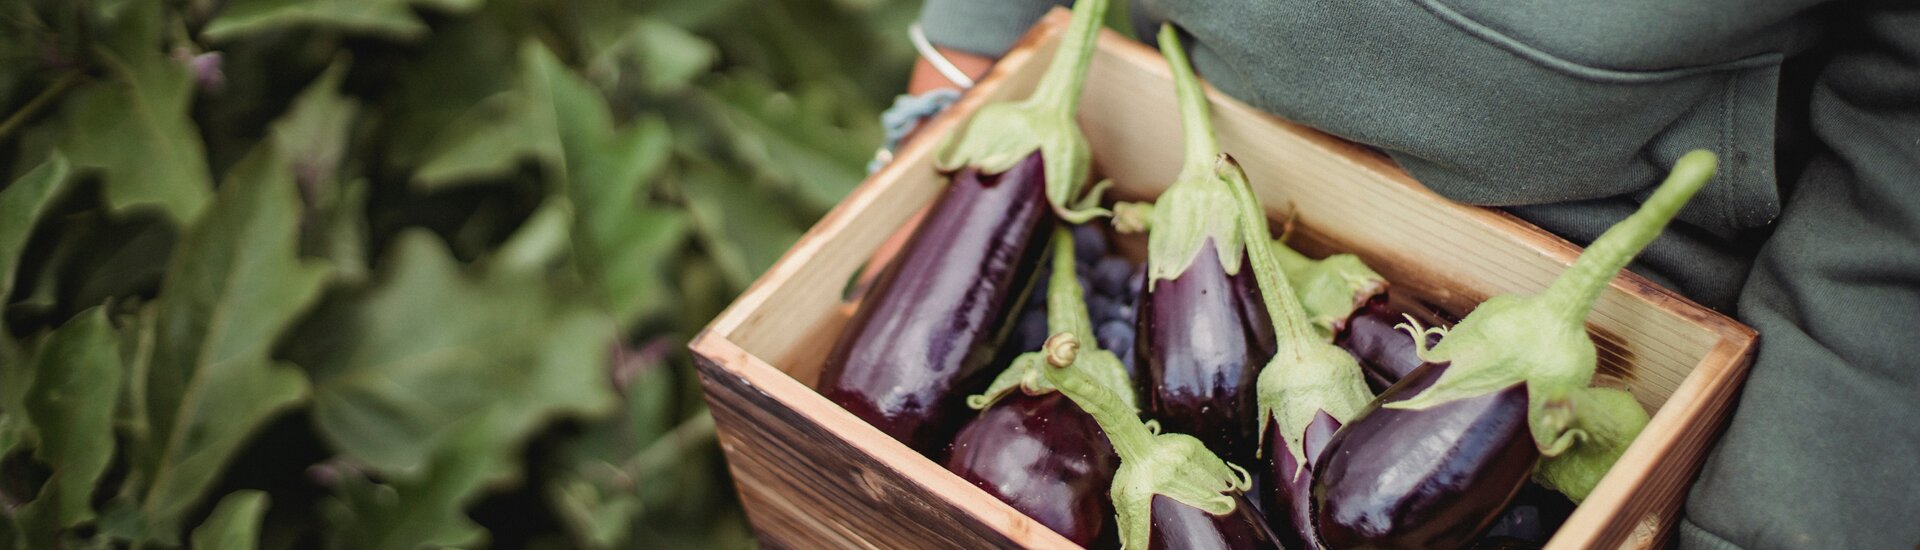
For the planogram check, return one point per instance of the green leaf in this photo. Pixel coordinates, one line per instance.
(339, 233)
(605, 172)
(460, 67)
(425, 511)
(386, 18)
(539, 242)
(120, 520)
(489, 141)
(433, 377)
(21, 205)
(667, 57)
(134, 125)
(235, 523)
(795, 139)
(595, 497)
(76, 385)
(234, 284)
(745, 229)
(399, 368)
(313, 134)
(450, 6)
(137, 332)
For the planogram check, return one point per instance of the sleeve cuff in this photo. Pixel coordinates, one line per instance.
(982, 27)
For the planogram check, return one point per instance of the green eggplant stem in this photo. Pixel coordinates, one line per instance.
(1196, 122)
(1066, 314)
(1066, 300)
(1290, 326)
(1060, 86)
(1579, 287)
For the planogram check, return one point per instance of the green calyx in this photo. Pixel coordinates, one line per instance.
(1604, 422)
(1066, 313)
(1541, 341)
(1194, 210)
(1308, 374)
(1330, 289)
(1151, 462)
(1001, 134)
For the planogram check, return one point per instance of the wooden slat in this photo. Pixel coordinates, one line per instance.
(1652, 477)
(812, 475)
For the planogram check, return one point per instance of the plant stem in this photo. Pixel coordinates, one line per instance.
(1060, 87)
(1290, 326)
(1066, 307)
(1578, 288)
(1129, 436)
(1196, 122)
(19, 118)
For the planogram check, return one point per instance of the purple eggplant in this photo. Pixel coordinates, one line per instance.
(928, 327)
(1203, 350)
(1202, 331)
(1386, 352)
(1034, 448)
(1471, 456)
(1307, 378)
(1439, 455)
(1178, 526)
(931, 322)
(1169, 485)
(1046, 458)
(1288, 501)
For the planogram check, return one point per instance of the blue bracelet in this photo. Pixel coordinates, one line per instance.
(905, 114)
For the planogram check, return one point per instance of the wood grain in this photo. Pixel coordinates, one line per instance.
(812, 475)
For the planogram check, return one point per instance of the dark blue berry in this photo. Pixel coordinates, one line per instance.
(1110, 275)
(1030, 332)
(1117, 336)
(1089, 243)
(1100, 308)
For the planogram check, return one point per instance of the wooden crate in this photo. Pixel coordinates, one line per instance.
(812, 475)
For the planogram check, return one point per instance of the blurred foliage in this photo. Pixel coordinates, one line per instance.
(399, 273)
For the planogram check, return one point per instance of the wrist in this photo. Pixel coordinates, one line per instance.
(941, 67)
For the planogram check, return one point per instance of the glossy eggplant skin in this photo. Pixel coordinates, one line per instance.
(1287, 492)
(1046, 458)
(1432, 478)
(1385, 353)
(1204, 336)
(930, 324)
(1177, 526)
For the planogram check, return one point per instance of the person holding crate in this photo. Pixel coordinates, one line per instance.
(1566, 116)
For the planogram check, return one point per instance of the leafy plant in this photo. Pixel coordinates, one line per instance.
(399, 273)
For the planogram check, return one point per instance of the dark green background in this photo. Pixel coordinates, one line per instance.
(412, 272)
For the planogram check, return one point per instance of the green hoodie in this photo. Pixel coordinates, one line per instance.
(1567, 114)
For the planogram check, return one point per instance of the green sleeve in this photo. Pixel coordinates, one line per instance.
(985, 27)
(1824, 448)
